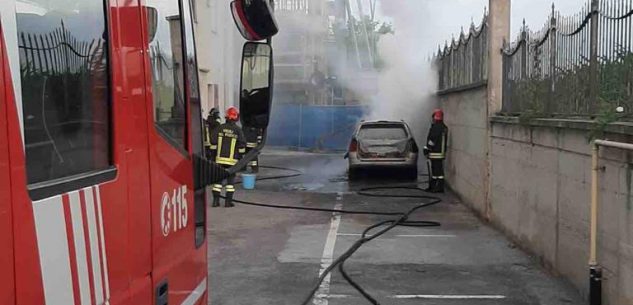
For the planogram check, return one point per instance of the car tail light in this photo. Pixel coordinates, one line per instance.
(413, 147)
(353, 146)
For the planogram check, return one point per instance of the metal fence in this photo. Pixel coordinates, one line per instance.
(59, 52)
(328, 128)
(294, 5)
(464, 62)
(575, 65)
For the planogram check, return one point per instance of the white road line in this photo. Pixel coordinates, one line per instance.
(332, 296)
(321, 297)
(404, 235)
(448, 297)
(424, 296)
(430, 236)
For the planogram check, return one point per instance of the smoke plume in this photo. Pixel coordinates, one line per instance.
(407, 83)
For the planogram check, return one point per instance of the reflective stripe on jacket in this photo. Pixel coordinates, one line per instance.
(253, 136)
(229, 143)
(209, 128)
(207, 137)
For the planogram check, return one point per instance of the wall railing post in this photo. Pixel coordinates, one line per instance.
(594, 79)
(553, 50)
(524, 52)
(595, 272)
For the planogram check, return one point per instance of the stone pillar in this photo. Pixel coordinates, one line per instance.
(498, 34)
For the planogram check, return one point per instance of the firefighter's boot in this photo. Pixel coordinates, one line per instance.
(216, 200)
(439, 186)
(432, 185)
(254, 167)
(217, 192)
(228, 202)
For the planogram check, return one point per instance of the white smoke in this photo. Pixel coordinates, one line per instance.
(404, 88)
(408, 82)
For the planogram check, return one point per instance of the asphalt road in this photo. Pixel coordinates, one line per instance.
(267, 256)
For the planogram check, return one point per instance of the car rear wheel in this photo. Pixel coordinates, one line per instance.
(411, 173)
(353, 173)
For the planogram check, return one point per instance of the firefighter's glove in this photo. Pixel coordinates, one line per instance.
(425, 151)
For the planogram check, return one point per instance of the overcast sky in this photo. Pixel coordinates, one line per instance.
(449, 16)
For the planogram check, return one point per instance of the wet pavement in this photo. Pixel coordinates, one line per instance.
(270, 256)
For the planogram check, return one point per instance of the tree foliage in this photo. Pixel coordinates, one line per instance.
(375, 30)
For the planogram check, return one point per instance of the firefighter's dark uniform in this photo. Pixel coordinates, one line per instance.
(436, 148)
(229, 145)
(253, 138)
(210, 125)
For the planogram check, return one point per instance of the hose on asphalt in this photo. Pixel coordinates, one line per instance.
(382, 227)
(293, 173)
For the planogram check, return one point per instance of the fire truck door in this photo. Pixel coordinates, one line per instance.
(178, 263)
(7, 288)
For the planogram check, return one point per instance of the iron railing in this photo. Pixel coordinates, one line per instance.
(59, 52)
(578, 65)
(294, 6)
(464, 62)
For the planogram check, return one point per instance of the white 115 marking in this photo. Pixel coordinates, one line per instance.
(173, 212)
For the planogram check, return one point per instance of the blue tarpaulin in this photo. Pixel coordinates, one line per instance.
(313, 127)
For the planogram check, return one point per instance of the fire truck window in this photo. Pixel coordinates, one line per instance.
(166, 58)
(192, 70)
(64, 77)
(188, 8)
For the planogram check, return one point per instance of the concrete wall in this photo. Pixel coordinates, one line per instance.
(533, 180)
(467, 119)
(540, 178)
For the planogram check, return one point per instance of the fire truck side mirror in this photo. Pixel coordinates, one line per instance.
(256, 85)
(255, 19)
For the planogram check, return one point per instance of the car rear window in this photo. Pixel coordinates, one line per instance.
(382, 132)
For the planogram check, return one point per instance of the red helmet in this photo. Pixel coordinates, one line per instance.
(438, 115)
(232, 114)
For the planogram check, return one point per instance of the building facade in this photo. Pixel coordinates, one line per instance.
(219, 47)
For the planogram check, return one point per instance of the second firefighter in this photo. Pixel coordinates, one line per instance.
(435, 150)
(210, 125)
(254, 137)
(228, 145)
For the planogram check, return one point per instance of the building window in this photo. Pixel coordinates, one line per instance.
(213, 96)
(64, 72)
(166, 58)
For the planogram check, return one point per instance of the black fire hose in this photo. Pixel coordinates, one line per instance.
(402, 219)
(294, 173)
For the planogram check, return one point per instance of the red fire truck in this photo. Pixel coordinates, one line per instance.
(102, 177)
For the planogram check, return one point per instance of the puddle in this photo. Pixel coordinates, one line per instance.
(339, 179)
(307, 187)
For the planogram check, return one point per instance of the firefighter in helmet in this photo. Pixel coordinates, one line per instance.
(229, 145)
(254, 137)
(435, 151)
(211, 123)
